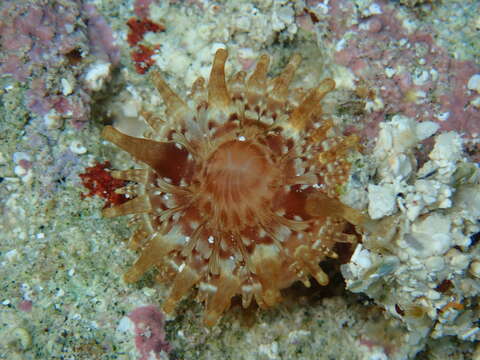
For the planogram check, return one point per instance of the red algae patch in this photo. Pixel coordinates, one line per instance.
(141, 53)
(99, 181)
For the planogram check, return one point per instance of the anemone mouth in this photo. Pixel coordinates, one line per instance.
(238, 168)
(239, 179)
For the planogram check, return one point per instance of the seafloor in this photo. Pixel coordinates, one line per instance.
(408, 82)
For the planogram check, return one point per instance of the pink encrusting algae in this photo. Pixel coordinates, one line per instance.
(149, 331)
(39, 38)
(409, 73)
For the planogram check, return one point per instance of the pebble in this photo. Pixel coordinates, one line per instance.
(77, 147)
(474, 83)
(67, 87)
(475, 269)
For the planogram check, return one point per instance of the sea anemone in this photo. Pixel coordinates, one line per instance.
(240, 192)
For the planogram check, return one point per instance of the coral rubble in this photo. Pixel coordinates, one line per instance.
(422, 248)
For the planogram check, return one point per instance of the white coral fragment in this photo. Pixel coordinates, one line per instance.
(447, 150)
(97, 74)
(432, 236)
(282, 17)
(396, 142)
(361, 257)
(381, 200)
